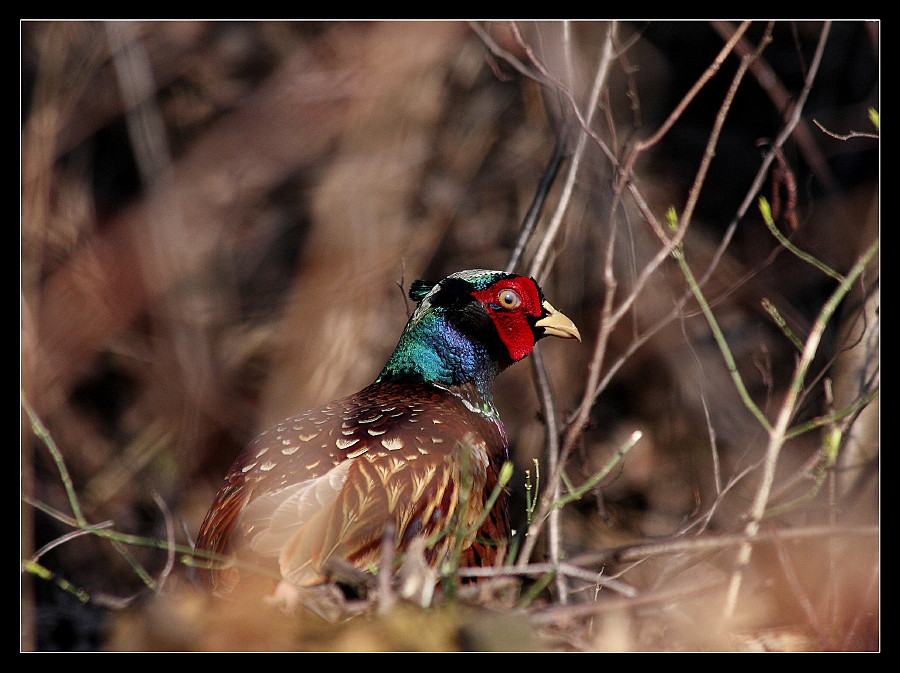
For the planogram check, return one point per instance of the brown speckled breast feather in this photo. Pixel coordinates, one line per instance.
(325, 484)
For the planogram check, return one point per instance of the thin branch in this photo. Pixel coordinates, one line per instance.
(551, 425)
(556, 615)
(710, 427)
(847, 136)
(529, 222)
(766, 211)
(724, 348)
(538, 569)
(40, 430)
(849, 412)
(500, 52)
(170, 539)
(626, 179)
(732, 227)
(71, 535)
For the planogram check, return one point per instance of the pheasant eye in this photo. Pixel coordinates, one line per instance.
(508, 299)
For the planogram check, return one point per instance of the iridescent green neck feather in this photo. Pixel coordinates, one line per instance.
(431, 349)
(449, 340)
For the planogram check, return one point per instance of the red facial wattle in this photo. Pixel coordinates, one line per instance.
(509, 315)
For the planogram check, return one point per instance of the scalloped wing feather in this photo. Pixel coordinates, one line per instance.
(276, 517)
(327, 482)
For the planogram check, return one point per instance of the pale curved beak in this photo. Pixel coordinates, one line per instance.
(557, 324)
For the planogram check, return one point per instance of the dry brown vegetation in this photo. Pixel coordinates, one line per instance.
(218, 223)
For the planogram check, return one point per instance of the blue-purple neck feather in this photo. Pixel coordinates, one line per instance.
(433, 349)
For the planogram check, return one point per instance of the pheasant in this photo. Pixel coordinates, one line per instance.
(416, 451)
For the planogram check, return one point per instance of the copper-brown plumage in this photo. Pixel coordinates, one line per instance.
(400, 447)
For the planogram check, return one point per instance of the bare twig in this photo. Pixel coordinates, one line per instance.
(170, 539)
(679, 109)
(554, 615)
(500, 52)
(537, 569)
(529, 222)
(724, 348)
(62, 539)
(847, 136)
(542, 382)
(627, 179)
(768, 218)
(40, 430)
(786, 131)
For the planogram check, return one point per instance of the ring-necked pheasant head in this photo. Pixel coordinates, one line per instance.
(417, 450)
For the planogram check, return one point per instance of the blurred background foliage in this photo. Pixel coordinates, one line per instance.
(219, 220)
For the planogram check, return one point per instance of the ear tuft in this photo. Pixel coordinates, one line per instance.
(418, 289)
